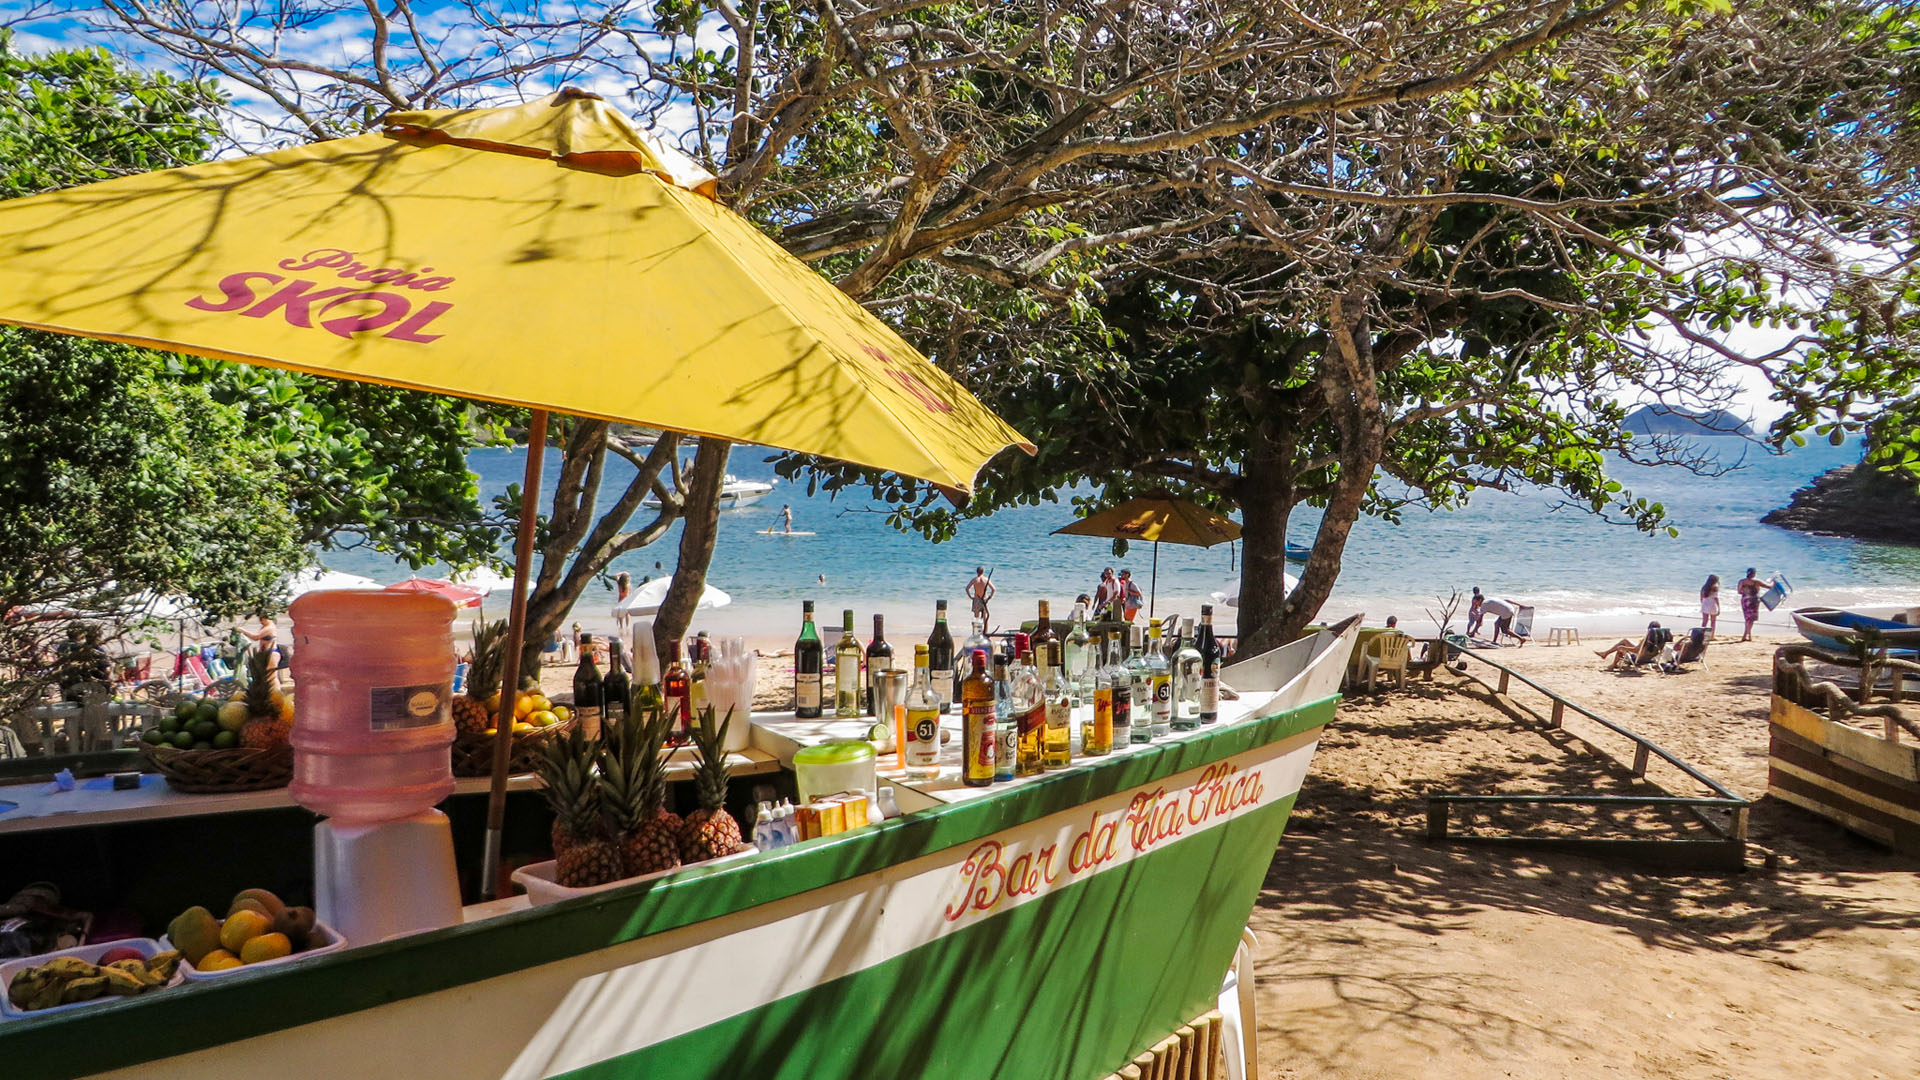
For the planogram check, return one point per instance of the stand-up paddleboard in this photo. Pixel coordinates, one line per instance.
(783, 532)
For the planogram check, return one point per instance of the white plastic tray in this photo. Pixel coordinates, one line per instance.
(91, 954)
(329, 938)
(537, 879)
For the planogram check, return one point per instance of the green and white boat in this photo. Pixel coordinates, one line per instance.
(1053, 927)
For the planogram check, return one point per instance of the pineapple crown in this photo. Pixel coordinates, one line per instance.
(489, 645)
(633, 771)
(710, 739)
(566, 768)
(260, 682)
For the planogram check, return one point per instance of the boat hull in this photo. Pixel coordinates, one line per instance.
(1835, 630)
(1056, 931)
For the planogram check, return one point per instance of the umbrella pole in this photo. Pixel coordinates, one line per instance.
(1153, 590)
(510, 668)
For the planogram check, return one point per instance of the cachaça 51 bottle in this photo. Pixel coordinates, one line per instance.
(976, 723)
(1159, 680)
(940, 656)
(922, 729)
(1096, 736)
(808, 665)
(1056, 745)
(846, 670)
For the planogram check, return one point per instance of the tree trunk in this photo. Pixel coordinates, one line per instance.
(700, 526)
(1266, 502)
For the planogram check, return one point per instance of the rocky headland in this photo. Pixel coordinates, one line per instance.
(1857, 501)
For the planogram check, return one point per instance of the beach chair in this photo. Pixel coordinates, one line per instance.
(1523, 623)
(1386, 652)
(1674, 661)
(198, 668)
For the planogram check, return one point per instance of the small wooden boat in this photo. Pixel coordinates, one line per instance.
(1055, 926)
(1836, 629)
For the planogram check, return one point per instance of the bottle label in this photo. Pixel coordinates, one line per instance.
(1122, 710)
(980, 741)
(402, 708)
(1101, 726)
(1059, 717)
(1162, 698)
(806, 690)
(1034, 720)
(1209, 695)
(943, 685)
(923, 739)
(1007, 752)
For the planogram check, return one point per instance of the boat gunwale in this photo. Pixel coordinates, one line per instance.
(199, 1016)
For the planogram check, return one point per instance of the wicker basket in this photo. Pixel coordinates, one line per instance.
(209, 772)
(473, 754)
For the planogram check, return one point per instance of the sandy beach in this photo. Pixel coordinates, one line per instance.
(1383, 955)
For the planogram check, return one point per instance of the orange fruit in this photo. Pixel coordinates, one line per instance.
(266, 947)
(540, 703)
(218, 960)
(521, 707)
(241, 927)
(561, 713)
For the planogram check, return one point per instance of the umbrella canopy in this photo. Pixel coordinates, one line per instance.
(538, 256)
(1156, 517)
(461, 595)
(315, 577)
(646, 599)
(482, 579)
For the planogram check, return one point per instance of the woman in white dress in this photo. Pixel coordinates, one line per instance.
(1710, 603)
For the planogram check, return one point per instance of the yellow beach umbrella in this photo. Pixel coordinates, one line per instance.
(1158, 516)
(544, 256)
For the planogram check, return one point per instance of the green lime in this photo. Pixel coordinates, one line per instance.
(226, 739)
(183, 739)
(202, 744)
(168, 724)
(154, 737)
(185, 708)
(208, 711)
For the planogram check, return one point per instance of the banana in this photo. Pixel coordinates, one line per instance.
(70, 967)
(83, 989)
(26, 986)
(122, 982)
(161, 965)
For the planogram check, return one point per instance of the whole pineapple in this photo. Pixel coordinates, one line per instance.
(269, 722)
(473, 713)
(710, 831)
(584, 853)
(633, 779)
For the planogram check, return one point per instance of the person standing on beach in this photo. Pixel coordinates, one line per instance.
(1131, 598)
(980, 590)
(1105, 593)
(622, 619)
(1476, 612)
(1750, 589)
(1710, 603)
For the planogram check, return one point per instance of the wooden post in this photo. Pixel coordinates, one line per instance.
(1504, 675)
(1216, 1045)
(1738, 826)
(1436, 820)
(1640, 759)
(1183, 1066)
(510, 667)
(1559, 713)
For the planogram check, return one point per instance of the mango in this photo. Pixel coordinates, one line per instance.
(218, 960)
(241, 927)
(269, 903)
(195, 933)
(267, 946)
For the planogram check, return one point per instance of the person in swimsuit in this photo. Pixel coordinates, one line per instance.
(1750, 589)
(1476, 612)
(980, 590)
(1710, 602)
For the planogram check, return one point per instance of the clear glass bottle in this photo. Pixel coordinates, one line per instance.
(940, 656)
(1096, 734)
(1186, 686)
(1042, 637)
(1029, 715)
(1140, 681)
(1056, 744)
(976, 643)
(699, 659)
(808, 663)
(1005, 725)
(1078, 658)
(846, 670)
(976, 718)
(1160, 680)
(1209, 648)
(676, 690)
(1121, 682)
(923, 720)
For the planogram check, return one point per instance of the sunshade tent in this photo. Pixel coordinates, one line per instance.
(540, 256)
(1157, 517)
(459, 595)
(646, 599)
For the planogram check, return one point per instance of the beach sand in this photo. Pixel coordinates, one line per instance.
(1383, 955)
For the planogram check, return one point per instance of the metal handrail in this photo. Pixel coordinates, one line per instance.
(1645, 745)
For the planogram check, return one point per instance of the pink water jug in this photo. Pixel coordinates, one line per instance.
(373, 679)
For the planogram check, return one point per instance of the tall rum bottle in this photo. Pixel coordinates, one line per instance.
(1096, 737)
(976, 723)
(940, 656)
(1056, 744)
(1042, 638)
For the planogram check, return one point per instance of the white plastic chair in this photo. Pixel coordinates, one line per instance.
(1386, 652)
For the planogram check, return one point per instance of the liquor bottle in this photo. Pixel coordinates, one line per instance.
(1186, 685)
(1079, 658)
(1042, 640)
(976, 642)
(1140, 680)
(807, 657)
(976, 718)
(1096, 737)
(1122, 688)
(846, 670)
(615, 689)
(676, 689)
(1029, 716)
(1208, 647)
(699, 657)
(940, 656)
(1056, 744)
(879, 659)
(589, 697)
(1160, 679)
(922, 732)
(1006, 726)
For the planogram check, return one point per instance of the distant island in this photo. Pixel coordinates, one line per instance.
(1666, 420)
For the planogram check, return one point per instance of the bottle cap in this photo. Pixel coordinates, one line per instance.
(806, 605)
(939, 605)
(979, 658)
(1206, 609)
(920, 651)
(1020, 643)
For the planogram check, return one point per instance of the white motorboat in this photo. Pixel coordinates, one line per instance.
(734, 493)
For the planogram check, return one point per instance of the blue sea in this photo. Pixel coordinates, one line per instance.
(1572, 567)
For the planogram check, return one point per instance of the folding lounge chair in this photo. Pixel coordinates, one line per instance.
(1674, 661)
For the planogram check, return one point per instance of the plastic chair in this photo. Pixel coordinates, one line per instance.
(1386, 652)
